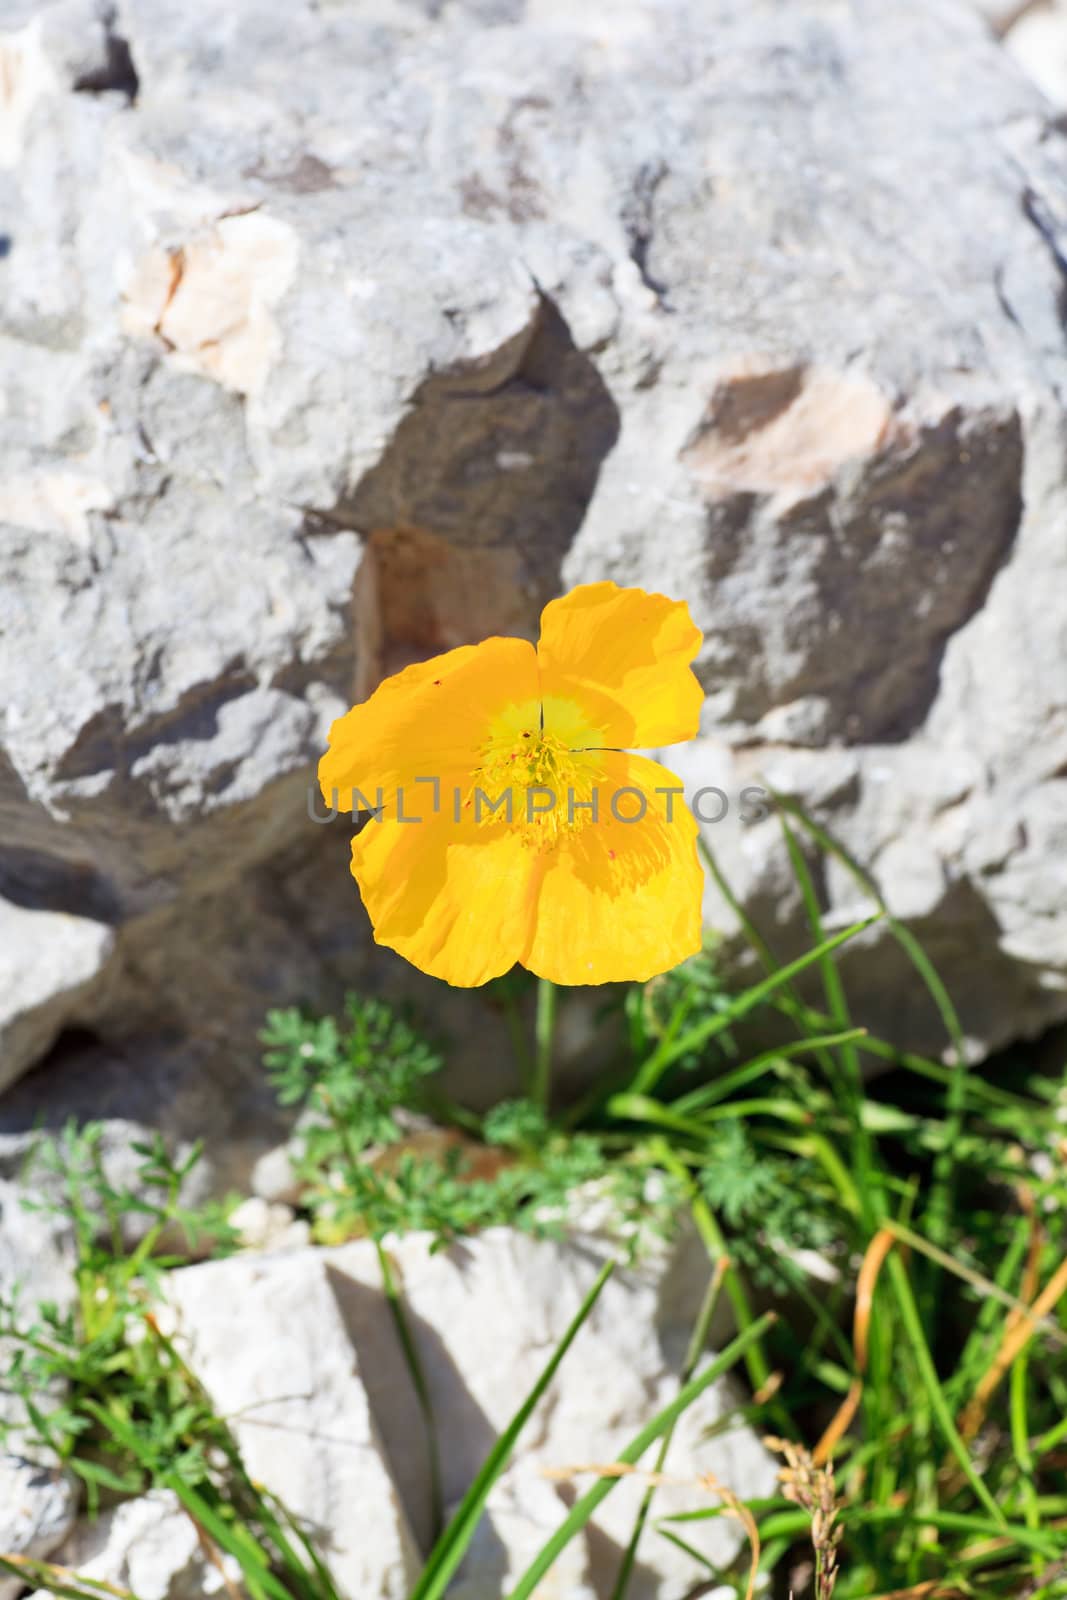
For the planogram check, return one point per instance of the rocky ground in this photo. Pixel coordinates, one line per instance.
(334, 335)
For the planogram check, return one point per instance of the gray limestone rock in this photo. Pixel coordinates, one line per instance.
(334, 336)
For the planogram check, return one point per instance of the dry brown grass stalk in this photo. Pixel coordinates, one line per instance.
(812, 1487)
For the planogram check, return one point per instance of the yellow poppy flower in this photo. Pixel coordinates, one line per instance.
(509, 823)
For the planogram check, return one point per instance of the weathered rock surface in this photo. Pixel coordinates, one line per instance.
(268, 1225)
(522, 1513)
(321, 1396)
(333, 336)
(56, 967)
(485, 1316)
(38, 1505)
(36, 1268)
(1002, 15)
(148, 1547)
(38, 1500)
(265, 1337)
(1037, 41)
(36, 1254)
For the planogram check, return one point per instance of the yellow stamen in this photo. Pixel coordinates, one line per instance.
(540, 779)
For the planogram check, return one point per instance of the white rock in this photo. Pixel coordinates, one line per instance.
(1038, 42)
(151, 1548)
(28, 76)
(50, 964)
(274, 1178)
(1004, 14)
(38, 1505)
(264, 1335)
(36, 1250)
(36, 1266)
(212, 300)
(522, 1513)
(53, 502)
(262, 1225)
(486, 1314)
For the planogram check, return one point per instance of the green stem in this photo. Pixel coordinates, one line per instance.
(909, 1312)
(714, 1242)
(545, 1032)
(418, 1379)
(448, 1552)
(587, 1503)
(697, 1343)
(1020, 1439)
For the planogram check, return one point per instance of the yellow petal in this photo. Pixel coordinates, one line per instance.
(453, 898)
(624, 656)
(432, 718)
(619, 900)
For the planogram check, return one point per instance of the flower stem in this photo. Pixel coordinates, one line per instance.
(544, 1032)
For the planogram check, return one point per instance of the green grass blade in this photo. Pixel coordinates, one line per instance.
(545, 1035)
(850, 1083)
(691, 1551)
(233, 1538)
(710, 1093)
(1020, 1442)
(449, 1550)
(698, 1340)
(791, 1523)
(44, 1575)
(410, 1353)
(768, 959)
(714, 1242)
(642, 1108)
(584, 1507)
(697, 1037)
(787, 1001)
(834, 989)
(310, 1576)
(928, 1372)
(941, 1192)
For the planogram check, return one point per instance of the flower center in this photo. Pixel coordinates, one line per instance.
(539, 772)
